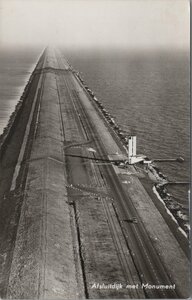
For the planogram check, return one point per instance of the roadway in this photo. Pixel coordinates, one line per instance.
(71, 211)
(148, 264)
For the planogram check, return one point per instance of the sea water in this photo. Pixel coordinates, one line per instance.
(147, 93)
(16, 66)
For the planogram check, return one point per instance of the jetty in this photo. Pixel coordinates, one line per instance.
(63, 233)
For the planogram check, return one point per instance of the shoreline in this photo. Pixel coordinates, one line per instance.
(22, 94)
(171, 205)
(98, 219)
(173, 208)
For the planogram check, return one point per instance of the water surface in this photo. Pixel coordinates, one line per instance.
(16, 66)
(147, 93)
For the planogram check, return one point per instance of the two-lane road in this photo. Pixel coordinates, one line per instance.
(147, 262)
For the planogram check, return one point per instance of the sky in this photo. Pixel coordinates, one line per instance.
(129, 24)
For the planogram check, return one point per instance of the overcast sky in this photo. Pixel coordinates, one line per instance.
(129, 24)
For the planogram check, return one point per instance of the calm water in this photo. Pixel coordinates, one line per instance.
(148, 94)
(15, 69)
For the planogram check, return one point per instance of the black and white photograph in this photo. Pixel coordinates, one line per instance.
(94, 149)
